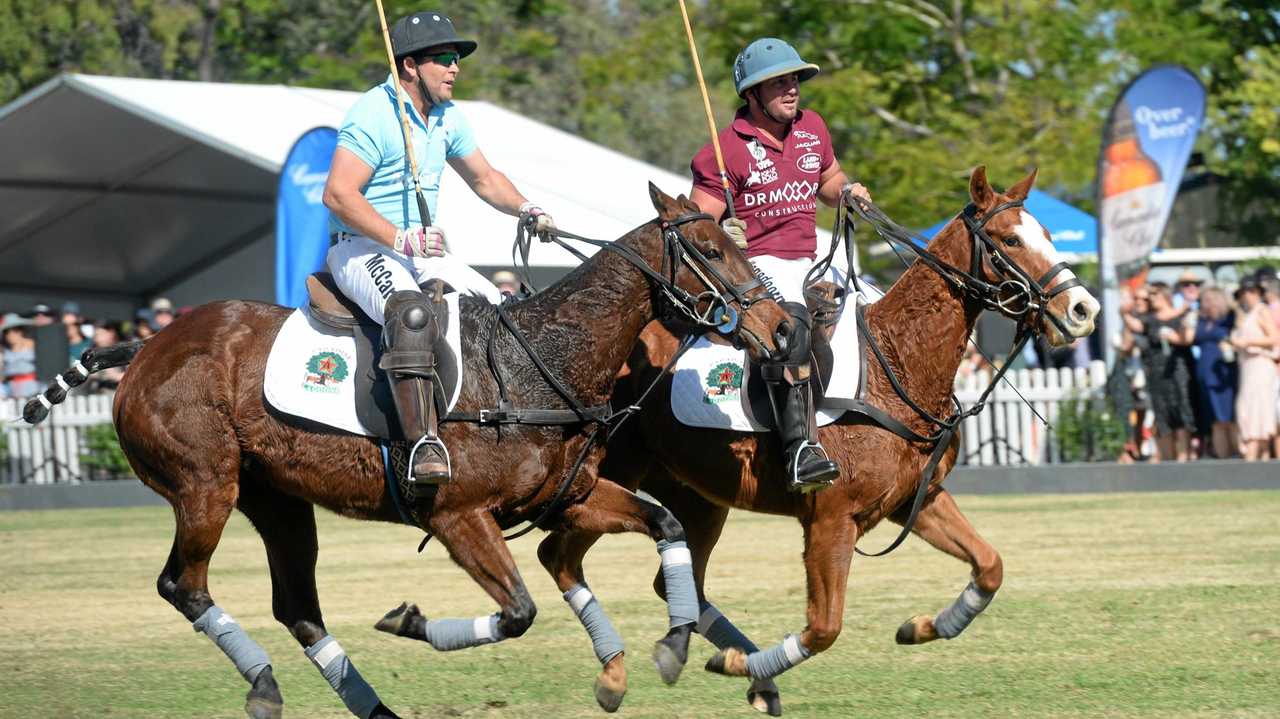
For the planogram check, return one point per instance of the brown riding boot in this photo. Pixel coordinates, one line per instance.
(409, 333)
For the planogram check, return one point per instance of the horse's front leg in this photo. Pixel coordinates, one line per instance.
(829, 537)
(610, 509)
(475, 543)
(944, 526)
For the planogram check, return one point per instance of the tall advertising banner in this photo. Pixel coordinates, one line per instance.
(1145, 146)
(302, 220)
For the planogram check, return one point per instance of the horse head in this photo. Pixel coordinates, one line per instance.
(721, 289)
(1036, 287)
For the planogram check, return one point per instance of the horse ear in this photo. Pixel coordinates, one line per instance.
(980, 190)
(1020, 191)
(667, 208)
(688, 204)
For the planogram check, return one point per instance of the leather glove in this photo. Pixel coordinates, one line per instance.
(542, 222)
(421, 242)
(736, 229)
(852, 190)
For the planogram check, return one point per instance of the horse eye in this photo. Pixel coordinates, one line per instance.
(712, 254)
(1012, 241)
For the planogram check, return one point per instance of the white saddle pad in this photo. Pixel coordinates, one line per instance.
(708, 386)
(311, 370)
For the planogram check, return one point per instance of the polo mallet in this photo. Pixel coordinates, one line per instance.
(706, 106)
(403, 105)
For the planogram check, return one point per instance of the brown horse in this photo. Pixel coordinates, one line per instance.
(192, 421)
(922, 325)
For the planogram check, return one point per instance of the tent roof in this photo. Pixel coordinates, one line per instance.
(123, 186)
(1072, 230)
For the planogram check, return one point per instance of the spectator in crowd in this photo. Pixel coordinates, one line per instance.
(42, 314)
(1129, 365)
(506, 282)
(1216, 371)
(19, 356)
(77, 343)
(105, 335)
(161, 313)
(1255, 341)
(1167, 364)
(1188, 291)
(143, 324)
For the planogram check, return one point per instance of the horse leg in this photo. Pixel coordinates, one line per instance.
(942, 525)
(201, 512)
(610, 509)
(829, 537)
(287, 526)
(561, 553)
(703, 520)
(475, 543)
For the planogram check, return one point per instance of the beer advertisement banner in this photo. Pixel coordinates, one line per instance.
(302, 220)
(1146, 143)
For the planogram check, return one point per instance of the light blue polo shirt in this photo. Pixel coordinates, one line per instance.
(371, 130)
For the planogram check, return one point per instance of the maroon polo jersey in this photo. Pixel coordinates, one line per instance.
(775, 189)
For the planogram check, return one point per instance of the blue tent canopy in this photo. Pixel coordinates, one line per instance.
(1072, 230)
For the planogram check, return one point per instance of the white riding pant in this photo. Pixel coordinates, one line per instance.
(787, 276)
(368, 271)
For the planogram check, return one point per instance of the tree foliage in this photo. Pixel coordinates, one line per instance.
(916, 92)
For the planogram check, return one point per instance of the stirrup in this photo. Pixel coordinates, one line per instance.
(794, 483)
(413, 454)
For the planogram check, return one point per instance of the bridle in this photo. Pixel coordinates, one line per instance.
(712, 308)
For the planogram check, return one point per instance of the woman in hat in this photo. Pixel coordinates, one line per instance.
(1255, 342)
(1216, 370)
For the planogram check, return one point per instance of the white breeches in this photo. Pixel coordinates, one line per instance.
(368, 271)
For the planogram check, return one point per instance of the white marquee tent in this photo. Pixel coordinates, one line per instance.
(116, 190)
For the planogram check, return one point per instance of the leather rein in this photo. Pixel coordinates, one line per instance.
(1015, 294)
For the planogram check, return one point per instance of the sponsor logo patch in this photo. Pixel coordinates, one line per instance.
(809, 162)
(325, 371)
(723, 383)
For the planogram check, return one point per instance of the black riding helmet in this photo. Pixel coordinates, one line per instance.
(419, 31)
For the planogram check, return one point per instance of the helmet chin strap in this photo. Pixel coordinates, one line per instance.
(422, 86)
(765, 108)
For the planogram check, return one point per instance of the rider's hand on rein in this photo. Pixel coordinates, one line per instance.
(541, 223)
(736, 229)
(854, 189)
(421, 242)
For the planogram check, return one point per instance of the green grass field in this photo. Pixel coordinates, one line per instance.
(1151, 605)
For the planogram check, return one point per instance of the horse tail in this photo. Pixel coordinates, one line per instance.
(94, 359)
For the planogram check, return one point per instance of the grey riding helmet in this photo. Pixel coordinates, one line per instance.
(767, 58)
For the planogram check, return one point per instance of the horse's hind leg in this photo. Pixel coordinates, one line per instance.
(475, 543)
(944, 526)
(610, 509)
(201, 510)
(287, 526)
(703, 520)
(561, 553)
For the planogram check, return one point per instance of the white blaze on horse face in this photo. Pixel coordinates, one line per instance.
(1082, 307)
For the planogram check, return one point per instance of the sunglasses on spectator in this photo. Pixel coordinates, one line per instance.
(445, 58)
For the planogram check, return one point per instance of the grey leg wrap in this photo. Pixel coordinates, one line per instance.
(604, 638)
(777, 658)
(677, 574)
(249, 658)
(717, 629)
(446, 635)
(337, 669)
(952, 620)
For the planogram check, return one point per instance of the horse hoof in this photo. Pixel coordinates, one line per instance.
(401, 621)
(766, 702)
(264, 700)
(917, 630)
(731, 662)
(608, 697)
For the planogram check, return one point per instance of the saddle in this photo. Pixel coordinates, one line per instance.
(374, 405)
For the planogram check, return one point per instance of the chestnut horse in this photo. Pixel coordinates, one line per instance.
(922, 325)
(192, 421)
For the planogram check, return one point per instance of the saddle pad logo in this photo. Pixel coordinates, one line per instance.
(723, 383)
(325, 371)
(809, 162)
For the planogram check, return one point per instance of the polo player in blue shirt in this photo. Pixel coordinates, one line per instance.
(382, 249)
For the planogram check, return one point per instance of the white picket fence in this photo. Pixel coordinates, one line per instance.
(1005, 433)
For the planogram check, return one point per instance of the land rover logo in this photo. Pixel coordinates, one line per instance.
(809, 162)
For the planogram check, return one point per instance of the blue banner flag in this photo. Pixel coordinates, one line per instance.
(302, 220)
